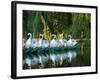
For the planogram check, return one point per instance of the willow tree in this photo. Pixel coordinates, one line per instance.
(81, 24)
(37, 24)
(31, 23)
(69, 23)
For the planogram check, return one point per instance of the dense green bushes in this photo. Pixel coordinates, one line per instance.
(69, 23)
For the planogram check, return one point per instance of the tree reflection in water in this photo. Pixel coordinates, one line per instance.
(55, 58)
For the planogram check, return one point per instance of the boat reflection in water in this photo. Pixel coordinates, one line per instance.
(49, 58)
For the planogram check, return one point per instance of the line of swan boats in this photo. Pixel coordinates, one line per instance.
(38, 53)
(54, 42)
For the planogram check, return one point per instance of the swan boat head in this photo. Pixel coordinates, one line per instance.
(29, 35)
(53, 42)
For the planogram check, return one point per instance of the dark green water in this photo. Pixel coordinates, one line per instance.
(59, 57)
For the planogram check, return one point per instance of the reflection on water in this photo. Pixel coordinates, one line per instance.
(46, 58)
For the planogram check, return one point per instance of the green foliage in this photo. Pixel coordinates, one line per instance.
(69, 23)
(81, 23)
(31, 23)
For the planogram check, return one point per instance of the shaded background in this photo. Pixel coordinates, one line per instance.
(69, 23)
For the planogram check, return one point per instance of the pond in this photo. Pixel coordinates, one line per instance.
(39, 58)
